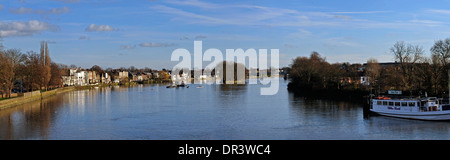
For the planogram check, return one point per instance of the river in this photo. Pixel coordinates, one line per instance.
(218, 112)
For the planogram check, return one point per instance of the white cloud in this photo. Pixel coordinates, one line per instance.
(153, 44)
(99, 28)
(29, 28)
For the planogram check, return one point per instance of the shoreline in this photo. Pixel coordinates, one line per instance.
(33, 96)
(354, 95)
(37, 95)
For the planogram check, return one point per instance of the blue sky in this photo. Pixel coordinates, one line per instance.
(120, 33)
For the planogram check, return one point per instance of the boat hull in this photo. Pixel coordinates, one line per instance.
(431, 116)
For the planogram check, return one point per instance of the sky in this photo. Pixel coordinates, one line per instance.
(144, 33)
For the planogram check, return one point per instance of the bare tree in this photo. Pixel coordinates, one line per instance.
(407, 55)
(34, 71)
(57, 72)
(11, 60)
(46, 65)
(441, 49)
(373, 71)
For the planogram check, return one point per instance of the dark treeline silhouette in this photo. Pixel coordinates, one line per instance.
(412, 72)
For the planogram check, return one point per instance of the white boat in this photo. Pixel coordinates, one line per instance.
(429, 108)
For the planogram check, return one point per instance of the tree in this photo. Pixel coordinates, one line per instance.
(309, 72)
(164, 75)
(238, 68)
(45, 62)
(10, 61)
(373, 71)
(440, 53)
(33, 71)
(441, 49)
(97, 69)
(6, 75)
(408, 55)
(57, 71)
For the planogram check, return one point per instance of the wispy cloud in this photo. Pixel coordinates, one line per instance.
(83, 38)
(361, 12)
(67, 1)
(182, 15)
(340, 42)
(153, 44)
(208, 13)
(127, 47)
(427, 22)
(200, 37)
(250, 15)
(23, 10)
(99, 28)
(195, 3)
(440, 11)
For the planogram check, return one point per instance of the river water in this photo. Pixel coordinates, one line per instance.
(154, 112)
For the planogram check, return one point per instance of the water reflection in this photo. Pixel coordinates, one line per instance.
(230, 95)
(208, 112)
(29, 121)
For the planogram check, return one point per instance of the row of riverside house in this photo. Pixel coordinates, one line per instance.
(82, 77)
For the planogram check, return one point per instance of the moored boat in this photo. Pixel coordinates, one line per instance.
(172, 86)
(429, 108)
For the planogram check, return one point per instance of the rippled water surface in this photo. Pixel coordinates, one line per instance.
(211, 112)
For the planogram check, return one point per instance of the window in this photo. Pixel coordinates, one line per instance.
(378, 102)
(404, 104)
(412, 104)
(391, 103)
(397, 103)
(384, 103)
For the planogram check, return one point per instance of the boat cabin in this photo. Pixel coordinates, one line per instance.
(407, 105)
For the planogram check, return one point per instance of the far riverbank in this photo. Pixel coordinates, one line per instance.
(33, 96)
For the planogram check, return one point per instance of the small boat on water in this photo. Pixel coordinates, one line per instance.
(177, 85)
(172, 86)
(199, 86)
(429, 108)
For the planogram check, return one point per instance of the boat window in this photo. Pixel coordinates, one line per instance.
(384, 103)
(391, 103)
(404, 104)
(378, 102)
(412, 104)
(397, 103)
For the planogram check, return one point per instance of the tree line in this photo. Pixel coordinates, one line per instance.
(412, 72)
(30, 71)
